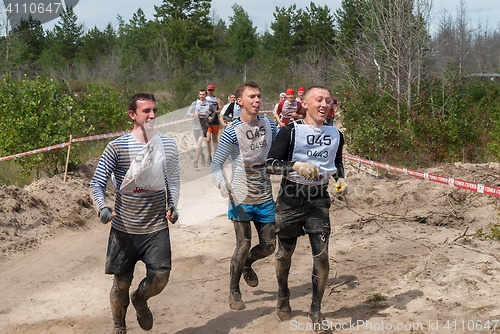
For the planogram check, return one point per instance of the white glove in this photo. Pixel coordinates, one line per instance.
(225, 189)
(306, 169)
(341, 187)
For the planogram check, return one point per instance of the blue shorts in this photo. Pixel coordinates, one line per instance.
(262, 213)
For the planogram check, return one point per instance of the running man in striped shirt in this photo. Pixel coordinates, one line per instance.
(146, 170)
(246, 143)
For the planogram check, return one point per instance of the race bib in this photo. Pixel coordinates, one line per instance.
(254, 141)
(317, 145)
(213, 101)
(289, 108)
(146, 172)
(203, 108)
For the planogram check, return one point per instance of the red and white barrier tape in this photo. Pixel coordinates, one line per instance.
(45, 149)
(82, 139)
(477, 187)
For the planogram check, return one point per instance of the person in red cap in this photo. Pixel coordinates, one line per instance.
(290, 109)
(301, 92)
(213, 122)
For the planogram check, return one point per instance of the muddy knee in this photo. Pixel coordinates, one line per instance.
(269, 248)
(122, 283)
(158, 280)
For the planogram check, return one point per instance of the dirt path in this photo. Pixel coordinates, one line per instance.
(406, 244)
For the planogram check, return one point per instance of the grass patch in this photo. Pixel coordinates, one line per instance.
(377, 297)
(11, 174)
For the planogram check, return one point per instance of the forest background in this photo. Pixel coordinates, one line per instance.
(408, 95)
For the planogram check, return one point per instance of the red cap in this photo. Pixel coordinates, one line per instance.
(290, 91)
(210, 87)
(302, 89)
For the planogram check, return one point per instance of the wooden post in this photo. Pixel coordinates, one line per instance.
(67, 158)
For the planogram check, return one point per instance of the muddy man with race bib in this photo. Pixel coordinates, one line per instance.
(146, 172)
(307, 153)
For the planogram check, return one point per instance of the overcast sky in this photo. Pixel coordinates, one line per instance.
(99, 12)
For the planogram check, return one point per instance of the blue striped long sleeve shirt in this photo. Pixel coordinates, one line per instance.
(250, 186)
(140, 213)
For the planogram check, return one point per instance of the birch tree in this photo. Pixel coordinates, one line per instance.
(394, 46)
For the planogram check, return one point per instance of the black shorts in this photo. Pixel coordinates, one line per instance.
(125, 250)
(203, 131)
(296, 216)
(204, 126)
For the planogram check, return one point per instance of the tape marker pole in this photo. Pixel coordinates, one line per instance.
(67, 158)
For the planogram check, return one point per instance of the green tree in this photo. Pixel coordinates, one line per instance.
(315, 29)
(96, 43)
(350, 21)
(64, 41)
(41, 112)
(242, 37)
(186, 26)
(68, 34)
(30, 31)
(281, 42)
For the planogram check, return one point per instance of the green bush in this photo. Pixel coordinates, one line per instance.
(41, 112)
(458, 121)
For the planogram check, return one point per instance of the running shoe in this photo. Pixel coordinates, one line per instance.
(250, 277)
(235, 301)
(202, 158)
(144, 315)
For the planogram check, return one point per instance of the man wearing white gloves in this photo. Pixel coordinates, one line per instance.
(307, 153)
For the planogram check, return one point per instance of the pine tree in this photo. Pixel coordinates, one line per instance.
(68, 35)
(242, 36)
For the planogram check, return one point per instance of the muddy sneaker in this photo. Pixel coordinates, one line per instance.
(283, 309)
(144, 316)
(317, 319)
(250, 276)
(235, 302)
(195, 164)
(202, 158)
(119, 329)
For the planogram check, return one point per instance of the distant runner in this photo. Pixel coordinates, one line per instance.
(275, 111)
(231, 111)
(213, 122)
(289, 110)
(300, 92)
(200, 110)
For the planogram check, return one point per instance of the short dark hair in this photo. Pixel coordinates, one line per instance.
(203, 90)
(132, 103)
(238, 92)
(314, 87)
